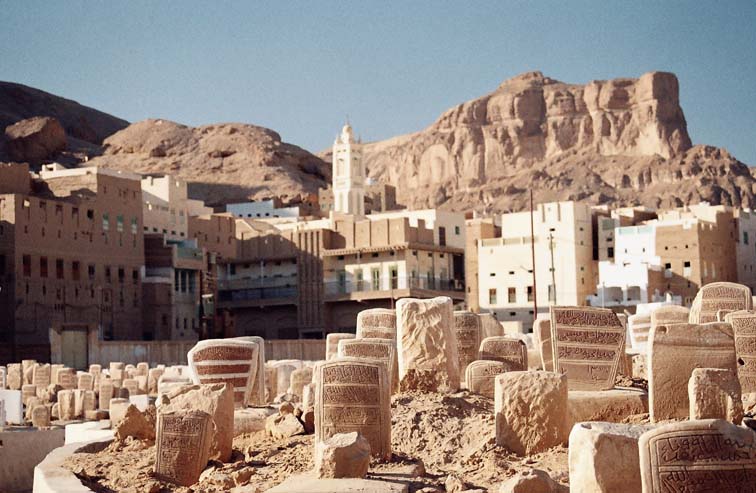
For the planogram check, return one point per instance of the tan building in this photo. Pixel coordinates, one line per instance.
(167, 207)
(71, 259)
(478, 229)
(565, 270)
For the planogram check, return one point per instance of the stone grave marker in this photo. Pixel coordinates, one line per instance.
(67, 405)
(41, 375)
(86, 381)
(332, 344)
(95, 369)
(67, 378)
(674, 352)
(744, 329)
(699, 456)
(587, 345)
(14, 378)
(468, 333)
(298, 379)
(27, 392)
(153, 377)
(427, 347)
(27, 367)
(107, 392)
(3, 377)
(40, 416)
(142, 368)
(257, 393)
(542, 336)
(639, 325)
(376, 323)
(383, 350)
(481, 376)
(489, 326)
(230, 361)
(513, 352)
(719, 296)
(669, 314)
(353, 395)
(131, 385)
(13, 406)
(182, 446)
(715, 394)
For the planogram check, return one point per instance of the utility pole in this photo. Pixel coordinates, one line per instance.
(553, 273)
(532, 254)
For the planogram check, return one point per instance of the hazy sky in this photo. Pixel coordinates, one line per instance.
(393, 67)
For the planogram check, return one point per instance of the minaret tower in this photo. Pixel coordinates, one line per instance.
(348, 174)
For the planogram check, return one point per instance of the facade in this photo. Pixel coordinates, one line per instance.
(167, 207)
(477, 229)
(262, 209)
(565, 270)
(745, 247)
(71, 259)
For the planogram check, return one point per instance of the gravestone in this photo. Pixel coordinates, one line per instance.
(41, 375)
(107, 392)
(85, 400)
(271, 383)
(182, 446)
(40, 416)
(117, 409)
(142, 368)
(489, 326)
(27, 370)
(383, 350)
(376, 323)
(480, 376)
(95, 369)
(510, 351)
(13, 405)
(700, 456)
(86, 381)
(15, 378)
(230, 361)
(639, 325)
(3, 377)
(153, 377)
(715, 394)
(669, 314)
(542, 336)
(353, 395)
(67, 405)
(131, 385)
(116, 370)
(67, 378)
(332, 344)
(257, 393)
(298, 379)
(27, 392)
(744, 329)
(283, 377)
(427, 347)
(719, 296)
(587, 345)
(468, 333)
(674, 352)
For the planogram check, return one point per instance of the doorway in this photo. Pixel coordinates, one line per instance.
(74, 346)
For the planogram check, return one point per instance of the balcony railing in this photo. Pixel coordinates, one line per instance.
(269, 282)
(334, 288)
(264, 293)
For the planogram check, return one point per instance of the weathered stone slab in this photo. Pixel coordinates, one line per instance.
(15, 376)
(353, 395)
(513, 352)
(153, 377)
(428, 357)
(612, 406)
(41, 375)
(142, 368)
(587, 344)
(283, 377)
(719, 296)
(744, 329)
(489, 326)
(531, 411)
(27, 367)
(230, 361)
(27, 392)
(697, 457)
(182, 447)
(715, 394)
(675, 351)
(344, 455)
(639, 326)
(40, 416)
(542, 336)
(383, 350)
(107, 392)
(670, 314)
(480, 376)
(257, 393)
(376, 323)
(85, 381)
(298, 379)
(468, 332)
(131, 385)
(604, 457)
(13, 405)
(332, 344)
(66, 378)
(67, 405)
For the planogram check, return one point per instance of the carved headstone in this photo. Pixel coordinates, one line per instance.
(376, 323)
(383, 350)
(353, 395)
(142, 368)
(427, 347)
(744, 328)
(131, 385)
(86, 381)
(67, 378)
(116, 370)
(587, 344)
(67, 405)
(230, 361)
(669, 314)
(40, 416)
(41, 375)
(257, 393)
(27, 367)
(513, 352)
(298, 379)
(480, 376)
(542, 336)
(719, 296)
(675, 351)
(489, 326)
(85, 400)
(95, 369)
(153, 377)
(698, 457)
(15, 376)
(639, 325)
(107, 392)
(332, 344)
(715, 394)
(27, 392)
(468, 333)
(182, 447)
(3, 377)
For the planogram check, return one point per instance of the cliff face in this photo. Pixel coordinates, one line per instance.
(622, 141)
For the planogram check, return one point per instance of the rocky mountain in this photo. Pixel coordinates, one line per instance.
(621, 142)
(224, 163)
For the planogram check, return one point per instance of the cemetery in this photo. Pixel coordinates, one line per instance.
(421, 399)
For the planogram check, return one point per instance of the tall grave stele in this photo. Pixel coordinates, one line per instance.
(508, 350)
(383, 350)
(587, 345)
(182, 446)
(467, 329)
(353, 395)
(230, 361)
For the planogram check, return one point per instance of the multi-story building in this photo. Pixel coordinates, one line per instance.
(477, 229)
(607, 221)
(262, 209)
(71, 259)
(745, 247)
(510, 286)
(167, 207)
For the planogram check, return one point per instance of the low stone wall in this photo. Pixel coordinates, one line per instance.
(20, 450)
(51, 477)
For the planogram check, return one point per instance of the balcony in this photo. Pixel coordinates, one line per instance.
(393, 287)
(240, 293)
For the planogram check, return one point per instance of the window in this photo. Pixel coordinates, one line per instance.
(511, 295)
(107, 273)
(376, 279)
(59, 269)
(745, 237)
(530, 293)
(492, 274)
(610, 252)
(134, 225)
(105, 222)
(43, 266)
(27, 265)
(121, 274)
(442, 236)
(91, 271)
(668, 270)
(492, 296)
(686, 268)
(135, 275)
(394, 277)
(456, 230)
(552, 293)
(75, 270)
(119, 223)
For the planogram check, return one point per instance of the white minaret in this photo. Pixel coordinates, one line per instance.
(348, 174)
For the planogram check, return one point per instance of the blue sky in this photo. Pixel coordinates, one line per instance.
(393, 67)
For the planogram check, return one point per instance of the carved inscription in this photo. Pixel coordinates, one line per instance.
(41, 375)
(744, 328)
(587, 344)
(718, 296)
(468, 332)
(376, 322)
(353, 395)
(697, 457)
(231, 361)
(481, 376)
(506, 349)
(383, 350)
(183, 446)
